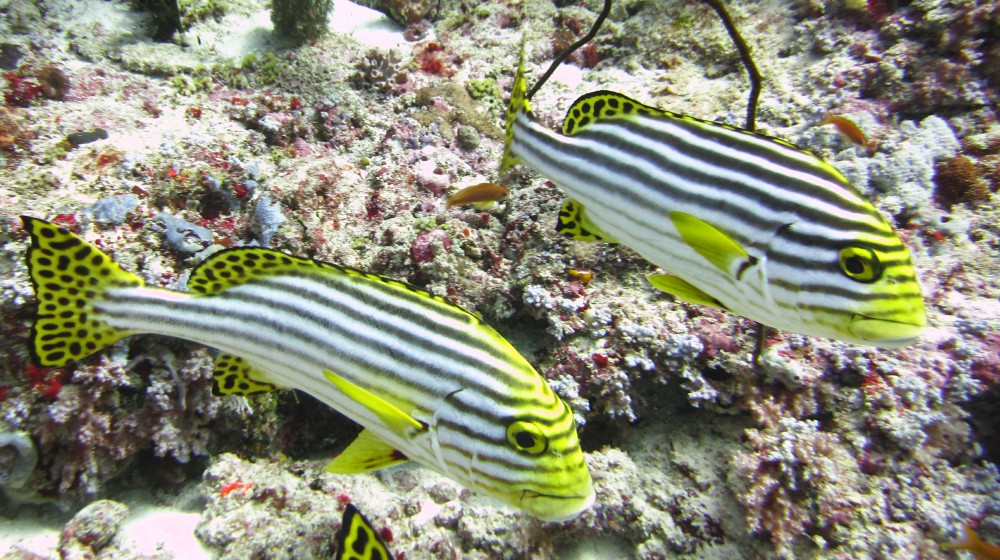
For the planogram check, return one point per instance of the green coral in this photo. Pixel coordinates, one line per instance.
(484, 87)
(301, 20)
(193, 11)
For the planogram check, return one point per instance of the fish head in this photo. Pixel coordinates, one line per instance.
(861, 288)
(530, 460)
(889, 308)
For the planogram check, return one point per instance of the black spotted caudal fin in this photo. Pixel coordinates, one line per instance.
(518, 104)
(69, 275)
(357, 540)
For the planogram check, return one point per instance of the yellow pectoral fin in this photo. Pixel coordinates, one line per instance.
(717, 247)
(232, 375)
(390, 414)
(366, 453)
(676, 286)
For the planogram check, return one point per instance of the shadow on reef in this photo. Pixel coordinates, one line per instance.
(985, 412)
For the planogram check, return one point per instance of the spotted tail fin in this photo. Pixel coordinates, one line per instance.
(518, 104)
(69, 275)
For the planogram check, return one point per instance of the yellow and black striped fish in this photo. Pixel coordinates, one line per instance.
(741, 221)
(356, 540)
(427, 379)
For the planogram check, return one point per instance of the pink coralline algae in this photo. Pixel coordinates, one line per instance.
(428, 245)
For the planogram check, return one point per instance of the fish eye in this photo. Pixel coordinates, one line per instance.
(526, 437)
(860, 263)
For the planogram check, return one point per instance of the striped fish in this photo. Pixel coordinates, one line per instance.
(426, 378)
(740, 221)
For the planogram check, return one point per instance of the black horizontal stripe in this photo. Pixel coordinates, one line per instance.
(173, 313)
(844, 292)
(425, 321)
(421, 322)
(775, 197)
(744, 142)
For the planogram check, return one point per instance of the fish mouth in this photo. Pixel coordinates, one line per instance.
(888, 333)
(555, 508)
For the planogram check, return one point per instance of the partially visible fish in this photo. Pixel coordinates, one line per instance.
(971, 542)
(740, 221)
(427, 379)
(480, 196)
(357, 540)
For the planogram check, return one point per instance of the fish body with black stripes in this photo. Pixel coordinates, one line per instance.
(738, 220)
(428, 380)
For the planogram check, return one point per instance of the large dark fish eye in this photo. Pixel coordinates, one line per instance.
(527, 438)
(860, 263)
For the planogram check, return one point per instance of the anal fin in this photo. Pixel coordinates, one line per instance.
(574, 222)
(232, 375)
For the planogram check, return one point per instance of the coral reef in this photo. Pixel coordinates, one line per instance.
(346, 149)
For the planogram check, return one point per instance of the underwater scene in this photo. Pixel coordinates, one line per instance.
(568, 279)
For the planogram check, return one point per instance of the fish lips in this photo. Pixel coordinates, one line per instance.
(548, 507)
(887, 333)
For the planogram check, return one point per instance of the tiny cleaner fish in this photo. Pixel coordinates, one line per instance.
(427, 379)
(739, 220)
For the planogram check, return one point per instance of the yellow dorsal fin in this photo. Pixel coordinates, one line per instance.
(573, 222)
(603, 105)
(356, 540)
(366, 453)
(676, 286)
(232, 375)
(717, 247)
(390, 414)
(233, 267)
(69, 275)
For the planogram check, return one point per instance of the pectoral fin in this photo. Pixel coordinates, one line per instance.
(717, 247)
(366, 453)
(390, 414)
(676, 286)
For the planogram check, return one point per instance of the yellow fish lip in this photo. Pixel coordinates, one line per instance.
(556, 508)
(885, 332)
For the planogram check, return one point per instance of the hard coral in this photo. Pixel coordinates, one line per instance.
(796, 478)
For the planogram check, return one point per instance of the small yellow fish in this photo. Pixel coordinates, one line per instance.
(480, 196)
(972, 543)
(849, 130)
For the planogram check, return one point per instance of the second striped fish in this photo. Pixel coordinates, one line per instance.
(427, 379)
(740, 221)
